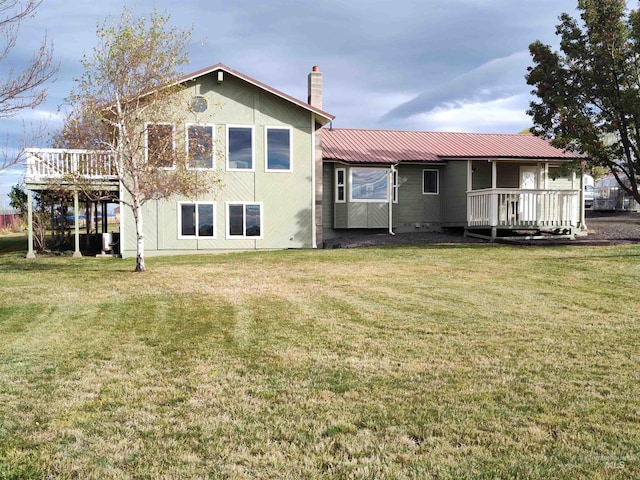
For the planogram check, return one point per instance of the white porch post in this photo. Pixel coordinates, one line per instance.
(76, 227)
(582, 230)
(493, 205)
(494, 174)
(391, 190)
(30, 253)
(469, 188)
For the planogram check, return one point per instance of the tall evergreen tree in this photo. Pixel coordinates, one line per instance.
(589, 92)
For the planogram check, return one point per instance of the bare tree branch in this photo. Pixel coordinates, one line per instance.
(26, 88)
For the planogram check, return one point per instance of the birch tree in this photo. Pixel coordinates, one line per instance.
(128, 103)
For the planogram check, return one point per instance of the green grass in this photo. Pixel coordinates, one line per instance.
(441, 361)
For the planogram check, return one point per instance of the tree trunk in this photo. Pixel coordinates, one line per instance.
(137, 215)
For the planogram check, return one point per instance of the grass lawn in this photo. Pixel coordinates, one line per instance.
(440, 361)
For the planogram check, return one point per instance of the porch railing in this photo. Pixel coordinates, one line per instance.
(44, 164)
(515, 208)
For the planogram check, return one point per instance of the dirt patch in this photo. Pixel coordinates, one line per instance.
(613, 226)
(604, 228)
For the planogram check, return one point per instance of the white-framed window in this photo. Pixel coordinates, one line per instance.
(240, 149)
(160, 144)
(341, 195)
(395, 186)
(196, 220)
(200, 146)
(278, 150)
(244, 220)
(369, 185)
(430, 182)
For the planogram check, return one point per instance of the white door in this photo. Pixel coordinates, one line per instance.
(528, 181)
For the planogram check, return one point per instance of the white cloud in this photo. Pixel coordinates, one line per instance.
(495, 116)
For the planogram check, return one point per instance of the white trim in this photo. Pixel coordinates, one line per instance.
(253, 149)
(437, 192)
(266, 149)
(369, 200)
(213, 144)
(197, 235)
(343, 185)
(395, 184)
(393, 197)
(244, 236)
(146, 141)
(314, 227)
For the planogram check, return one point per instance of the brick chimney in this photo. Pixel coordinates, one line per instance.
(315, 100)
(315, 88)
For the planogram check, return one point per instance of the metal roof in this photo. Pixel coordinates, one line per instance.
(395, 146)
(321, 115)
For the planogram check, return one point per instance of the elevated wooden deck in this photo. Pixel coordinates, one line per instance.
(60, 168)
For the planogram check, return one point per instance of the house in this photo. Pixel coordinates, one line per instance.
(262, 143)
(288, 181)
(487, 184)
(9, 220)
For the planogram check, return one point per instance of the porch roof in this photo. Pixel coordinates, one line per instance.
(397, 146)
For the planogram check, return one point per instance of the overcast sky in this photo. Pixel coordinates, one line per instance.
(443, 65)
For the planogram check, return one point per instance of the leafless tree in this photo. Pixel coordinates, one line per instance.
(23, 88)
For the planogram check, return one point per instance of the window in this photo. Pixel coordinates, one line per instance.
(278, 151)
(200, 146)
(240, 148)
(430, 182)
(340, 185)
(244, 220)
(395, 186)
(369, 185)
(196, 219)
(160, 145)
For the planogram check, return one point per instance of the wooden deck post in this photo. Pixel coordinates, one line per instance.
(582, 229)
(30, 253)
(76, 227)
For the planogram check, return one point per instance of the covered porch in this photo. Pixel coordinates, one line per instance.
(510, 198)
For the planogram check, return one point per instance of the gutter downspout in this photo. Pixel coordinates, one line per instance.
(314, 228)
(392, 171)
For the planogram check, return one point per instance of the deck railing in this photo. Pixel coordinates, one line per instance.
(515, 208)
(45, 164)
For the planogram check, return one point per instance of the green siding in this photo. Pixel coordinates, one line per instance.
(358, 214)
(328, 213)
(481, 175)
(509, 174)
(286, 197)
(414, 210)
(560, 182)
(453, 184)
(377, 215)
(341, 215)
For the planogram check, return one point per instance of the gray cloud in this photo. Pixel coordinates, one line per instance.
(497, 78)
(394, 63)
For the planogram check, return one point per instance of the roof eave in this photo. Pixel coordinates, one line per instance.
(319, 115)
